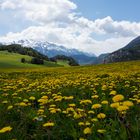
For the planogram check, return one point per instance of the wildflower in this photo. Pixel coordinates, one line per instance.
(94, 120)
(115, 105)
(95, 106)
(122, 108)
(91, 112)
(68, 97)
(48, 124)
(51, 106)
(44, 97)
(118, 98)
(94, 96)
(85, 102)
(101, 131)
(32, 98)
(9, 107)
(101, 116)
(6, 129)
(25, 100)
(40, 111)
(82, 139)
(5, 102)
(77, 116)
(104, 87)
(87, 130)
(128, 103)
(113, 92)
(87, 123)
(72, 105)
(53, 111)
(22, 104)
(42, 101)
(81, 124)
(138, 101)
(104, 102)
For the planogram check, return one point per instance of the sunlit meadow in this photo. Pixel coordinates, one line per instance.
(82, 103)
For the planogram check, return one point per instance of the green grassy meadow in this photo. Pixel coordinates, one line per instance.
(100, 102)
(13, 60)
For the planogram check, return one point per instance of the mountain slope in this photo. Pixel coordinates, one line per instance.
(100, 59)
(52, 50)
(16, 48)
(127, 53)
(13, 60)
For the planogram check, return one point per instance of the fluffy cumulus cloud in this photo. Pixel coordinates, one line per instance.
(7, 5)
(56, 21)
(42, 11)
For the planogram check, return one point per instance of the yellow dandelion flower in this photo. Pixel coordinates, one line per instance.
(104, 87)
(113, 92)
(9, 107)
(48, 124)
(81, 124)
(82, 139)
(51, 106)
(122, 108)
(32, 98)
(91, 112)
(72, 105)
(4, 102)
(115, 105)
(53, 111)
(104, 102)
(42, 101)
(138, 101)
(101, 116)
(40, 111)
(22, 104)
(94, 96)
(128, 103)
(44, 97)
(118, 98)
(87, 123)
(101, 131)
(6, 129)
(85, 102)
(94, 120)
(68, 97)
(26, 100)
(87, 130)
(95, 106)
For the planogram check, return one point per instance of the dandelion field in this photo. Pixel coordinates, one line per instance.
(80, 103)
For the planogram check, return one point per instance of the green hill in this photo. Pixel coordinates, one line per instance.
(16, 48)
(64, 60)
(13, 60)
(65, 63)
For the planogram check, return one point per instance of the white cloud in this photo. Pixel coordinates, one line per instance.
(41, 11)
(7, 5)
(56, 22)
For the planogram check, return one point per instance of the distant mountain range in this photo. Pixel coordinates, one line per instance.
(127, 53)
(52, 50)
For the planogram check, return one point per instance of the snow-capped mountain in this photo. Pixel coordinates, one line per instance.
(52, 50)
(49, 49)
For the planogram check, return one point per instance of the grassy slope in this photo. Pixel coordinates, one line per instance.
(63, 62)
(12, 60)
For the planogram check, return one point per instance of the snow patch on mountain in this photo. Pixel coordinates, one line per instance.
(50, 49)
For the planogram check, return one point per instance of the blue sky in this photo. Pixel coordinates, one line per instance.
(95, 26)
(117, 9)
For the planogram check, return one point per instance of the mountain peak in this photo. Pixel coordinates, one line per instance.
(51, 50)
(133, 43)
(130, 52)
